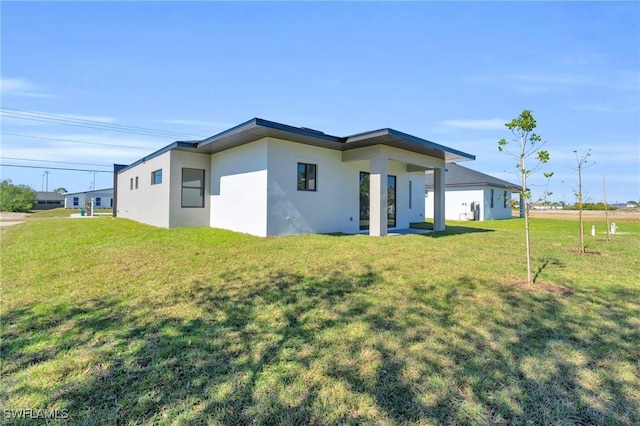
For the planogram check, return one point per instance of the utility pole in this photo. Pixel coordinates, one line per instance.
(93, 187)
(47, 173)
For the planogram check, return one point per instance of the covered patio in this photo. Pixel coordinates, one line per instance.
(418, 155)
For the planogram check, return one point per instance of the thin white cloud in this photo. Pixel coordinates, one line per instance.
(46, 148)
(595, 107)
(20, 87)
(490, 124)
(546, 81)
(202, 123)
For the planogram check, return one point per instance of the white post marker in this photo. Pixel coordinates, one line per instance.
(593, 231)
(613, 228)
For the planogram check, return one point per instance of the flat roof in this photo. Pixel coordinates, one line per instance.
(258, 128)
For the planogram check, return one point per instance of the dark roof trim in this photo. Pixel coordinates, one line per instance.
(259, 122)
(413, 139)
(513, 188)
(161, 151)
(458, 176)
(258, 128)
(88, 191)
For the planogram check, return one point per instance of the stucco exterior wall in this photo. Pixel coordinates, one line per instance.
(188, 216)
(458, 203)
(498, 211)
(105, 199)
(239, 189)
(148, 203)
(335, 205)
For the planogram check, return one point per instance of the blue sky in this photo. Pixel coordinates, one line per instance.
(452, 73)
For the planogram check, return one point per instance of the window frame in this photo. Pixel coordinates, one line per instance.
(201, 188)
(136, 182)
(154, 177)
(306, 177)
(505, 199)
(76, 201)
(98, 201)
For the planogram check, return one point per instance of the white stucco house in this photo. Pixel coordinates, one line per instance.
(103, 199)
(266, 179)
(471, 195)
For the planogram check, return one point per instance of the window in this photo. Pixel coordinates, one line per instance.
(76, 201)
(136, 182)
(98, 201)
(491, 200)
(156, 177)
(504, 199)
(131, 184)
(111, 202)
(306, 177)
(410, 196)
(192, 187)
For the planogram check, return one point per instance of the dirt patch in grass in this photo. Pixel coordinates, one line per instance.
(614, 215)
(542, 287)
(593, 252)
(10, 216)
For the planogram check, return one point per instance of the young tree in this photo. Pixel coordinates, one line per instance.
(16, 198)
(582, 162)
(529, 145)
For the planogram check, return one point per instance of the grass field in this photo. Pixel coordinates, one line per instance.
(122, 323)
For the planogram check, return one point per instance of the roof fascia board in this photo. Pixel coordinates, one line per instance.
(430, 144)
(414, 139)
(259, 122)
(87, 192)
(174, 145)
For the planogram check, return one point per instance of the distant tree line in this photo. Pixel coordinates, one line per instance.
(589, 206)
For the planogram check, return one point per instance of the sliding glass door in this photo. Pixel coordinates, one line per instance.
(364, 201)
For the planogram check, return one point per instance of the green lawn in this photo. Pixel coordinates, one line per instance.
(122, 323)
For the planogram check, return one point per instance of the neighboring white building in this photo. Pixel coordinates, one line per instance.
(266, 178)
(471, 195)
(103, 199)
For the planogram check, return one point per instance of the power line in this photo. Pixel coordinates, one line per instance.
(60, 162)
(74, 141)
(93, 124)
(55, 168)
(66, 119)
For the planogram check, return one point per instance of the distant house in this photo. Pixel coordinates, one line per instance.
(472, 195)
(265, 178)
(48, 200)
(103, 199)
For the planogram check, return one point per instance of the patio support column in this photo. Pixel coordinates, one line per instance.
(438, 199)
(378, 196)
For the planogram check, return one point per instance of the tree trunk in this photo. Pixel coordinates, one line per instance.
(526, 220)
(581, 249)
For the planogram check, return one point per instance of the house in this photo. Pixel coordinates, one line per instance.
(103, 199)
(471, 195)
(265, 178)
(46, 200)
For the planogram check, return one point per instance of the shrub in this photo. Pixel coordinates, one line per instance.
(16, 198)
